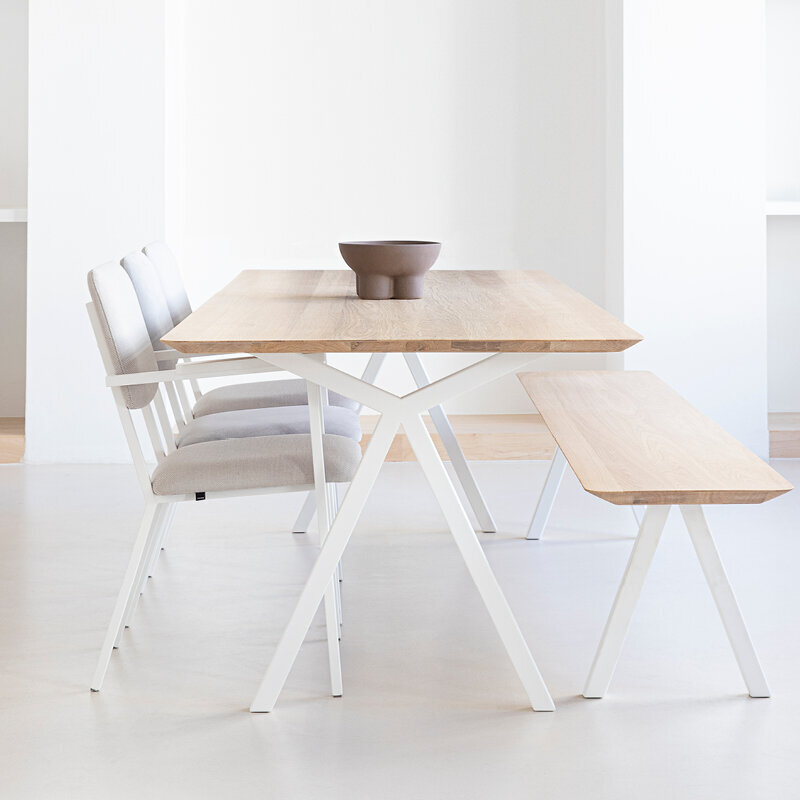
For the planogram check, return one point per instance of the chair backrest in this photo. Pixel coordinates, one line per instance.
(126, 338)
(171, 281)
(153, 304)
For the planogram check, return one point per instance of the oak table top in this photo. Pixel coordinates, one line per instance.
(463, 311)
(632, 440)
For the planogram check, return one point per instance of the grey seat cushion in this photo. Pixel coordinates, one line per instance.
(259, 462)
(267, 422)
(263, 394)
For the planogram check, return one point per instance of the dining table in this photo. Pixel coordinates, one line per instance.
(292, 318)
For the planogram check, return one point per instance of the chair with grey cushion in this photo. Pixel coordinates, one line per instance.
(288, 392)
(232, 420)
(204, 466)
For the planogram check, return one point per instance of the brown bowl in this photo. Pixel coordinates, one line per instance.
(390, 269)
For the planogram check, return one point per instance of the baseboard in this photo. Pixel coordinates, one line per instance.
(784, 434)
(483, 437)
(12, 439)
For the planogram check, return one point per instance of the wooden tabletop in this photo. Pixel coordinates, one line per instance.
(466, 311)
(633, 440)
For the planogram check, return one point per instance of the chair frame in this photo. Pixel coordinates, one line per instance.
(160, 509)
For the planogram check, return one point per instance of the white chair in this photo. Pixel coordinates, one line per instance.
(207, 469)
(244, 420)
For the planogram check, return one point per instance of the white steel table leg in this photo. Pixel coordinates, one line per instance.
(325, 565)
(135, 563)
(478, 566)
(316, 403)
(548, 496)
(727, 606)
(613, 638)
(465, 477)
(370, 374)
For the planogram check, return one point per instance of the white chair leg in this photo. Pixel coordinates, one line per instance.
(151, 548)
(149, 520)
(728, 608)
(303, 521)
(548, 495)
(316, 402)
(616, 629)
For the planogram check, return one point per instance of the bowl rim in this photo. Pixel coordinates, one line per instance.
(390, 242)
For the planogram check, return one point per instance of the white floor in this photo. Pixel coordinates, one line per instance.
(432, 707)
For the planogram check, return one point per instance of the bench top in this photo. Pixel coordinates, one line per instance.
(632, 440)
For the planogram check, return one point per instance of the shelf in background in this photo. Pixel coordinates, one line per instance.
(13, 214)
(783, 208)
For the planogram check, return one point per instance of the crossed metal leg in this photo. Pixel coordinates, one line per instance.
(644, 548)
(396, 411)
(444, 429)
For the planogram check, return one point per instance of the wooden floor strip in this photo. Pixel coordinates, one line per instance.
(12, 439)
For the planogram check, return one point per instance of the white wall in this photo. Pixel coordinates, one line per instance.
(478, 124)
(694, 228)
(13, 195)
(783, 183)
(96, 190)
(13, 102)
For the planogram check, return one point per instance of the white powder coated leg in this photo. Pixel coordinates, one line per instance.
(394, 411)
(303, 521)
(149, 519)
(316, 403)
(616, 629)
(727, 606)
(445, 430)
(325, 565)
(156, 533)
(548, 495)
(478, 566)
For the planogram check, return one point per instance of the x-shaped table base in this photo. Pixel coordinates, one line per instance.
(402, 411)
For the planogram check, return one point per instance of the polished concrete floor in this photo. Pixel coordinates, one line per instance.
(432, 707)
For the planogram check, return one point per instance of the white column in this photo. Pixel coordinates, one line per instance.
(687, 230)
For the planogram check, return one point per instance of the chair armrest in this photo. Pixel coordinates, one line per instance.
(245, 365)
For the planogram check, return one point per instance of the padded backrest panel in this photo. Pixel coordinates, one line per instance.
(123, 329)
(143, 276)
(171, 281)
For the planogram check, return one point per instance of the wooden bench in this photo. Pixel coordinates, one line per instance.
(632, 440)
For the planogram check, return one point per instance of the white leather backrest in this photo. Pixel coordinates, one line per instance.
(123, 329)
(143, 276)
(171, 281)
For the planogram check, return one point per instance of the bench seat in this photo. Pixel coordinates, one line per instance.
(632, 440)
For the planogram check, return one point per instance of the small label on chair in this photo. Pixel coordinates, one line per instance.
(199, 495)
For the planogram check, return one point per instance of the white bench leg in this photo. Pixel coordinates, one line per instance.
(548, 495)
(460, 466)
(616, 629)
(726, 601)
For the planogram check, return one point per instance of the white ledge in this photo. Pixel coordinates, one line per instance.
(13, 214)
(783, 208)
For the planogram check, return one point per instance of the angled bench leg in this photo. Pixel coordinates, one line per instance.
(548, 495)
(644, 548)
(725, 600)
